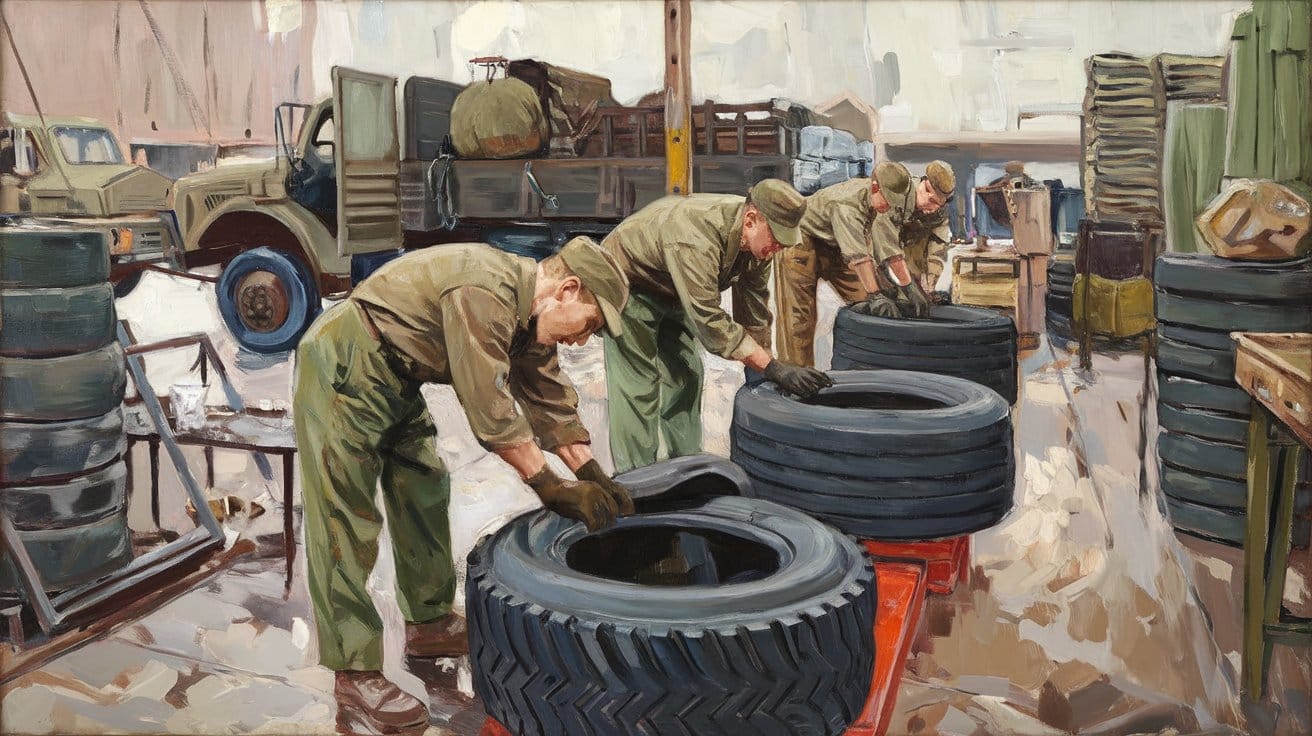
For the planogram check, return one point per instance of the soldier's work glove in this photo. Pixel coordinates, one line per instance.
(877, 305)
(940, 297)
(917, 304)
(583, 500)
(796, 379)
(592, 472)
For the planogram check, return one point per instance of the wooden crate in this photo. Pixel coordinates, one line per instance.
(986, 279)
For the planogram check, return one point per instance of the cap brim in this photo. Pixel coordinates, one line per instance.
(611, 316)
(786, 236)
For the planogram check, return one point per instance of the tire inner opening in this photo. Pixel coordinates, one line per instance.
(873, 400)
(668, 556)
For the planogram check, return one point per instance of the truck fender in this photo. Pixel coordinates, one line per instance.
(315, 244)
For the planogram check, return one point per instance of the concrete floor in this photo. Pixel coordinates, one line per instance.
(1084, 611)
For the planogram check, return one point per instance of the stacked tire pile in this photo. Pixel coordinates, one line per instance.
(1203, 413)
(1061, 288)
(62, 376)
(967, 342)
(881, 454)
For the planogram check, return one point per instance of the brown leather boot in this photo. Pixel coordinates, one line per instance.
(369, 704)
(444, 637)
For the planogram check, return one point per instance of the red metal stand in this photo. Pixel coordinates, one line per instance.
(947, 561)
(904, 572)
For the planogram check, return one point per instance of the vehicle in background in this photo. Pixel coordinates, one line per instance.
(72, 169)
(350, 192)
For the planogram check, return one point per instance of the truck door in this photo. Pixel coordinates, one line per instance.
(366, 151)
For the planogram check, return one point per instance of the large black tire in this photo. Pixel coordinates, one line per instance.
(1191, 394)
(41, 258)
(1218, 279)
(68, 387)
(30, 451)
(967, 342)
(736, 617)
(1209, 425)
(51, 322)
(70, 556)
(73, 503)
(1190, 497)
(881, 454)
(1222, 316)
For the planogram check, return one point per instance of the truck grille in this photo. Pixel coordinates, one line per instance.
(214, 200)
(148, 241)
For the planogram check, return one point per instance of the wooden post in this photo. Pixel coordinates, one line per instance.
(678, 100)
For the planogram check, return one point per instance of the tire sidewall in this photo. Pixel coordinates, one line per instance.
(527, 558)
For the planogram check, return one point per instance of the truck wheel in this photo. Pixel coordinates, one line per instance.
(737, 616)
(881, 454)
(267, 299)
(127, 284)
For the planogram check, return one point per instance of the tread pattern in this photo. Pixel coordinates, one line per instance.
(541, 672)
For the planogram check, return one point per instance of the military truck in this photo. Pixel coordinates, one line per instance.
(350, 191)
(72, 169)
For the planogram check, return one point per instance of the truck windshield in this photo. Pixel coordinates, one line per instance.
(88, 145)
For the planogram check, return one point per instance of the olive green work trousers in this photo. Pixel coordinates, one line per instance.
(358, 422)
(653, 384)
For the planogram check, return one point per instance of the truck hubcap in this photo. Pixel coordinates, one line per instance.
(262, 301)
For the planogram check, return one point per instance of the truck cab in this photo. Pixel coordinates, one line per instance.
(73, 169)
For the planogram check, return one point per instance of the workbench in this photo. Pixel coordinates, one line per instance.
(1276, 369)
(248, 430)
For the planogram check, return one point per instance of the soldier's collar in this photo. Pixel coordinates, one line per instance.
(736, 230)
(528, 280)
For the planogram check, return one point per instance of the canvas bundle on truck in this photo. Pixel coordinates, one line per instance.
(605, 161)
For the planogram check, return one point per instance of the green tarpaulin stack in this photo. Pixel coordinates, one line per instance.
(1270, 132)
(1191, 173)
(1126, 128)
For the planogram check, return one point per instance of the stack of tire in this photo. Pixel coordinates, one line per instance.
(881, 454)
(968, 342)
(1203, 414)
(62, 377)
(1061, 287)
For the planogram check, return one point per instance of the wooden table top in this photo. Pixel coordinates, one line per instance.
(250, 429)
(1276, 369)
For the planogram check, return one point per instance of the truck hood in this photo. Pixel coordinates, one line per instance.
(123, 189)
(226, 177)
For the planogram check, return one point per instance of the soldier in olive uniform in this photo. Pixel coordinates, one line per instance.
(679, 254)
(923, 235)
(848, 231)
(486, 323)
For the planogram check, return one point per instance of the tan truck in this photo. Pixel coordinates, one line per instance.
(72, 169)
(350, 191)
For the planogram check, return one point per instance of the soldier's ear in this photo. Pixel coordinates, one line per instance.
(570, 289)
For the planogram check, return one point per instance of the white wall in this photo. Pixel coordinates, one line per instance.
(964, 64)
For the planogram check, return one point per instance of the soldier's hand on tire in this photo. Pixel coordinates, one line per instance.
(797, 379)
(591, 471)
(582, 500)
(877, 305)
(917, 304)
(940, 297)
